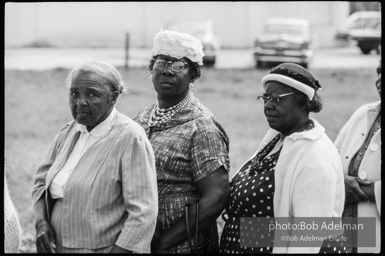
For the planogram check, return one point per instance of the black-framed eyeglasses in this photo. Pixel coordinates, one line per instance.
(273, 97)
(176, 65)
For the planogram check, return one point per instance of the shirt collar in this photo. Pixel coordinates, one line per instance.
(374, 106)
(312, 134)
(102, 128)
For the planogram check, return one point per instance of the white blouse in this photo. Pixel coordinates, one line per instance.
(85, 141)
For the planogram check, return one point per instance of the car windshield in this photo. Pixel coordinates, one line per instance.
(366, 23)
(285, 29)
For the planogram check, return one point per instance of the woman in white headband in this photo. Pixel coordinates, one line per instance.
(296, 171)
(191, 148)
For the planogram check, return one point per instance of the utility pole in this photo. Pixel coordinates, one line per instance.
(127, 48)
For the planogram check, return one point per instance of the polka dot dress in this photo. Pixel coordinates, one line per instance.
(333, 246)
(251, 195)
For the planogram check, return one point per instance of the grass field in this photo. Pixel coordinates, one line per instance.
(36, 106)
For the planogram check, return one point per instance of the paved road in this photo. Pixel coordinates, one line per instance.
(47, 58)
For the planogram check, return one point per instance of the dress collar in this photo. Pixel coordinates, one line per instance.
(102, 128)
(312, 134)
(374, 106)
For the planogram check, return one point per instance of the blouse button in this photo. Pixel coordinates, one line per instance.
(373, 147)
(362, 175)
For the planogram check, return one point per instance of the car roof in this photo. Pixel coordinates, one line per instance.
(366, 14)
(362, 15)
(288, 21)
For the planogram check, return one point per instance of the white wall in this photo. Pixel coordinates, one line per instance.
(104, 24)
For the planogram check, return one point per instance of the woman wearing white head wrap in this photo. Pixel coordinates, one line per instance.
(190, 146)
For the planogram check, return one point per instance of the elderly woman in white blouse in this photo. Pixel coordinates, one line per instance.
(95, 191)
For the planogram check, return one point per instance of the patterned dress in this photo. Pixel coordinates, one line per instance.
(188, 147)
(251, 195)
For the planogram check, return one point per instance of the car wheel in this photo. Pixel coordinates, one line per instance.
(378, 49)
(209, 64)
(365, 50)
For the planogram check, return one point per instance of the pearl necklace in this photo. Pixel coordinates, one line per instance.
(161, 115)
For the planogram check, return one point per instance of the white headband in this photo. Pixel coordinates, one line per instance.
(307, 90)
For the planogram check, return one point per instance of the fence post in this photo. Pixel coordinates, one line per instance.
(127, 47)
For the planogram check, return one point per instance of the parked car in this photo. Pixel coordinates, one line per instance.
(363, 28)
(284, 40)
(205, 32)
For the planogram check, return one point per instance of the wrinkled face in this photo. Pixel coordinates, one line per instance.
(378, 79)
(285, 115)
(90, 101)
(170, 84)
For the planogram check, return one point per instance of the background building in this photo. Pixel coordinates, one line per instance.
(105, 24)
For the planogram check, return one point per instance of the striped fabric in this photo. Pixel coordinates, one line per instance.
(188, 147)
(86, 139)
(111, 195)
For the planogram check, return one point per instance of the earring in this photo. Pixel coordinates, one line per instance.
(150, 77)
(191, 86)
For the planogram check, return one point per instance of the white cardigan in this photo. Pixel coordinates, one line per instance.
(309, 180)
(348, 142)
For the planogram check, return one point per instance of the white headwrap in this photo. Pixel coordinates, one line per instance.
(178, 45)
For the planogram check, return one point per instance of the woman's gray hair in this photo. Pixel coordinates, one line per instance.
(103, 69)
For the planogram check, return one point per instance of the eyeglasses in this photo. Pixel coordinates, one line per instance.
(176, 65)
(273, 97)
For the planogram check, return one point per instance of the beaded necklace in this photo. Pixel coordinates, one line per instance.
(161, 115)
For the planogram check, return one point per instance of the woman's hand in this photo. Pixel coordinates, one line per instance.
(45, 238)
(45, 235)
(353, 190)
(214, 193)
(368, 188)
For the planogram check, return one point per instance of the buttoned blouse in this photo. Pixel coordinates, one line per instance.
(86, 140)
